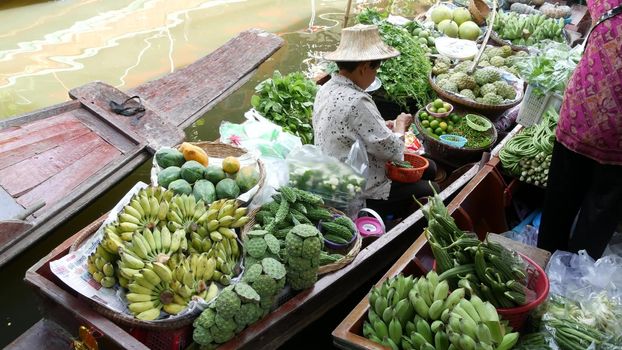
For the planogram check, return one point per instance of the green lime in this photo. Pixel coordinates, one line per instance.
(438, 103)
(450, 129)
(425, 123)
(447, 106)
(443, 125)
(434, 124)
(449, 122)
(454, 118)
(441, 110)
(438, 131)
(424, 115)
(429, 130)
(433, 109)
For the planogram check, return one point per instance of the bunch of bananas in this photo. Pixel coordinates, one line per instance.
(474, 324)
(100, 264)
(420, 313)
(523, 29)
(156, 288)
(191, 275)
(482, 268)
(147, 208)
(148, 247)
(218, 224)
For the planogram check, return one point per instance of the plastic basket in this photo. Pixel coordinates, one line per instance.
(534, 105)
(176, 339)
(536, 281)
(408, 175)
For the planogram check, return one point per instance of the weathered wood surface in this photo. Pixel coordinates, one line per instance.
(183, 96)
(68, 154)
(42, 335)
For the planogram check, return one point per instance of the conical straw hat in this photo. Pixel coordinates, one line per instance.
(361, 43)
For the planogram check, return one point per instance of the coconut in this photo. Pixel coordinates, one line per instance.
(469, 30)
(440, 13)
(449, 28)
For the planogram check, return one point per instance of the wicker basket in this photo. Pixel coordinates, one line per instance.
(324, 269)
(479, 11)
(483, 108)
(452, 155)
(223, 150)
(122, 318)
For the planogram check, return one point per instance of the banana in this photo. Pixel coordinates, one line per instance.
(240, 212)
(137, 288)
(467, 343)
(157, 237)
(163, 271)
(441, 341)
(226, 210)
(142, 306)
(215, 236)
(135, 297)
(454, 298)
(509, 340)
(144, 203)
(423, 328)
(226, 221)
(381, 329)
(107, 282)
(241, 222)
(435, 310)
(173, 309)
(212, 215)
(141, 280)
(149, 315)
(424, 290)
(163, 210)
(165, 236)
(128, 227)
(131, 261)
(124, 217)
(188, 279)
(148, 236)
(176, 240)
(483, 334)
(417, 301)
(437, 326)
(139, 248)
(395, 330)
(151, 276)
(441, 291)
(468, 307)
(108, 270)
(131, 211)
(468, 327)
(154, 208)
(227, 232)
(135, 204)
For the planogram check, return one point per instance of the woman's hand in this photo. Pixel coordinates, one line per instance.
(402, 122)
(390, 124)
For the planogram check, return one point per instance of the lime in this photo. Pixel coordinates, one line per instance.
(441, 110)
(438, 131)
(433, 109)
(424, 115)
(429, 130)
(454, 118)
(447, 106)
(443, 125)
(434, 124)
(449, 122)
(449, 129)
(438, 103)
(425, 123)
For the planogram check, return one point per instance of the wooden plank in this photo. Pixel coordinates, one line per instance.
(21, 177)
(149, 128)
(23, 133)
(34, 143)
(8, 206)
(42, 335)
(178, 96)
(40, 114)
(58, 186)
(107, 132)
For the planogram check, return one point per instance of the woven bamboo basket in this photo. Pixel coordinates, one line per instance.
(223, 150)
(324, 269)
(470, 104)
(123, 319)
(479, 11)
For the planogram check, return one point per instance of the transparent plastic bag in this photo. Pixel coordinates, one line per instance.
(336, 182)
(276, 176)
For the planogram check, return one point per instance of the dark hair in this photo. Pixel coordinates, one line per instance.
(351, 66)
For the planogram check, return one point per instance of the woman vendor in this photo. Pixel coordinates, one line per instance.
(344, 113)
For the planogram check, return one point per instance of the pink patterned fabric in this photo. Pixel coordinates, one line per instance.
(590, 120)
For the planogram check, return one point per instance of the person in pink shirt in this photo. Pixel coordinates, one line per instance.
(585, 179)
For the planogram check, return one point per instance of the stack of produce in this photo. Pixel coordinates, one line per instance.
(420, 313)
(501, 57)
(485, 85)
(288, 102)
(482, 268)
(426, 37)
(303, 245)
(292, 206)
(528, 29)
(456, 23)
(167, 249)
(404, 78)
(547, 9)
(454, 125)
(267, 277)
(187, 171)
(528, 154)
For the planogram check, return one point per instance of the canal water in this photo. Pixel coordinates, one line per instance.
(49, 47)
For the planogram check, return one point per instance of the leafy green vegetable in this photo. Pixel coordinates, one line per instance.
(287, 101)
(404, 77)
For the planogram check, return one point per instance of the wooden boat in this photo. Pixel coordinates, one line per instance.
(56, 160)
(64, 307)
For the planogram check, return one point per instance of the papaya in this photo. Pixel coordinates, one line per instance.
(192, 152)
(167, 157)
(231, 165)
(168, 175)
(180, 186)
(205, 191)
(247, 178)
(192, 171)
(214, 174)
(227, 188)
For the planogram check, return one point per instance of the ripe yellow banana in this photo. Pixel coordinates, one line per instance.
(149, 315)
(163, 271)
(151, 276)
(148, 236)
(173, 308)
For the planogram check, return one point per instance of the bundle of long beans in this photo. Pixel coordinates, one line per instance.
(528, 154)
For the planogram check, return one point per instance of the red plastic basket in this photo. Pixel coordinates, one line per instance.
(408, 175)
(536, 281)
(175, 339)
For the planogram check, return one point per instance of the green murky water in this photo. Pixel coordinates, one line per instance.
(49, 47)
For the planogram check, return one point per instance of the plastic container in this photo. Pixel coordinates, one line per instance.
(536, 281)
(408, 175)
(534, 105)
(453, 140)
(369, 223)
(334, 245)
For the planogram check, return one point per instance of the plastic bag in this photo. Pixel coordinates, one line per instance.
(276, 176)
(336, 182)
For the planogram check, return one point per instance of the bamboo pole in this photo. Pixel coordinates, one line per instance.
(491, 23)
(346, 18)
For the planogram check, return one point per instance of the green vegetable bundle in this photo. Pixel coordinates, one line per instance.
(528, 154)
(482, 268)
(528, 30)
(404, 77)
(288, 102)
